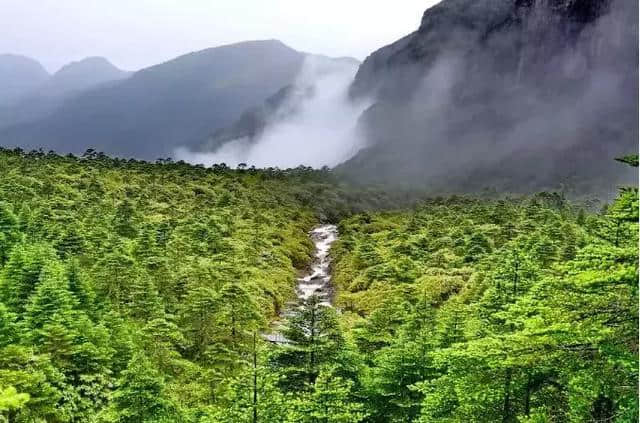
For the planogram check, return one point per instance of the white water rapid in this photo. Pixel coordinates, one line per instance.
(316, 281)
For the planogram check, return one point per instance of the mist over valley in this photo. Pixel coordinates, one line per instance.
(442, 228)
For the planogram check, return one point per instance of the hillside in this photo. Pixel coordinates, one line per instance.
(19, 75)
(165, 106)
(506, 94)
(136, 292)
(447, 232)
(488, 311)
(45, 97)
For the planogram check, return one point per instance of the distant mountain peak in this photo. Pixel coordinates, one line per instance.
(19, 75)
(241, 45)
(160, 107)
(89, 64)
(33, 93)
(20, 59)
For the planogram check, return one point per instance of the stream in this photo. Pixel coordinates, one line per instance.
(317, 280)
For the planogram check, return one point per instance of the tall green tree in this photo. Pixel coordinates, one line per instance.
(314, 340)
(141, 396)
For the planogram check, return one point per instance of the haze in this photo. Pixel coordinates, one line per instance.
(137, 34)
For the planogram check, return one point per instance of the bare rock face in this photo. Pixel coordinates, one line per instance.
(511, 94)
(500, 29)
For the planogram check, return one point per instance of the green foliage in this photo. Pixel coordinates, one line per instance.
(138, 292)
(631, 160)
(330, 401)
(11, 400)
(315, 341)
(141, 395)
(511, 310)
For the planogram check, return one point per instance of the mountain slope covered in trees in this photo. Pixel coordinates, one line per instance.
(510, 310)
(138, 292)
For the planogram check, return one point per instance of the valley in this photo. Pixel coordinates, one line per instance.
(444, 229)
(137, 292)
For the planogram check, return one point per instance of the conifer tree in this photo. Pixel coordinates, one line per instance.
(10, 402)
(316, 341)
(141, 395)
(20, 275)
(9, 232)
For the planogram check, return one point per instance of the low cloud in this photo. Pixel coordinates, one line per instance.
(315, 126)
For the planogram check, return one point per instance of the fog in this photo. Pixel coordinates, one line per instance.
(315, 126)
(140, 33)
(540, 106)
(544, 104)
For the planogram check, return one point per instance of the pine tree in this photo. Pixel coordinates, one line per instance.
(52, 301)
(114, 272)
(141, 396)
(199, 319)
(71, 243)
(125, 218)
(20, 275)
(163, 340)
(8, 327)
(332, 401)
(9, 232)
(238, 312)
(80, 287)
(316, 341)
(144, 302)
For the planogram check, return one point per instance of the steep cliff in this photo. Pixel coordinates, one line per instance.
(511, 94)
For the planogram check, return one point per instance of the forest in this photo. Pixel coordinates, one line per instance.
(138, 292)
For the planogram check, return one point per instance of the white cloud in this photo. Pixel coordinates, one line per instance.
(320, 132)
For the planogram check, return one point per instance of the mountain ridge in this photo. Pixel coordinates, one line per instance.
(19, 75)
(166, 105)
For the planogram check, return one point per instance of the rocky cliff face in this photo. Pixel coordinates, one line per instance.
(501, 30)
(513, 94)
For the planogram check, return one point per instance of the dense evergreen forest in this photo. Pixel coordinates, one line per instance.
(138, 292)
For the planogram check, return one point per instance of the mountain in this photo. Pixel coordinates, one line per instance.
(71, 79)
(516, 95)
(19, 75)
(81, 75)
(161, 107)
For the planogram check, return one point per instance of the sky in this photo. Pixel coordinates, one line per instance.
(134, 34)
